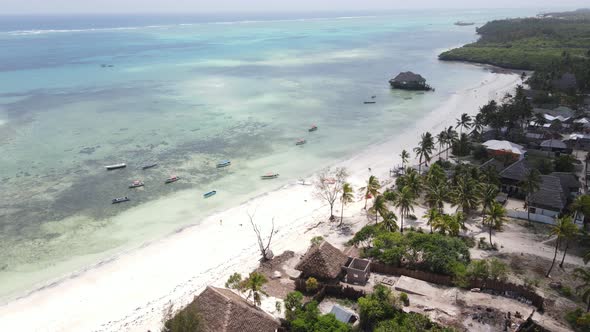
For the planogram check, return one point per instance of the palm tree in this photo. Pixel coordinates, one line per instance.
(431, 215)
(441, 139)
(424, 150)
(436, 195)
(465, 195)
(405, 155)
(379, 207)
(463, 122)
(560, 229)
(371, 189)
(390, 222)
(578, 206)
(413, 181)
(478, 124)
(451, 138)
(570, 231)
(488, 194)
(539, 120)
(584, 287)
(347, 197)
(447, 224)
(405, 203)
(254, 285)
(497, 217)
(531, 184)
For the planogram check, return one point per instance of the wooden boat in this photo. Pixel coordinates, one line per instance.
(120, 200)
(370, 102)
(301, 142)
(209, 194)
(269, 176)
(172, 179)
(463, 24)
(136, 184)
(373, 97)
(149, 166)
(313, 128)
(223, 163)
(115, 166)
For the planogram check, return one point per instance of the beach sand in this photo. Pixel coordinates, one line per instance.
(132, 291)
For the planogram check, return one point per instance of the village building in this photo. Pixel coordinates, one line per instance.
(409, 81)
(324, 262)
(504, 150)
(554, 145)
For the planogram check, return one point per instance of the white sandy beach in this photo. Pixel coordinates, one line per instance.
(131, 292)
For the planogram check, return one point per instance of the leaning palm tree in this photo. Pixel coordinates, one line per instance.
(254, 285)
(405, 203)
(488, 194)
(579, 205)
(371, 189)
(560, 229)
(584, 287)
(346, 197)
(570, 231)
(463, 122)
(424, 150)
(441, 139)
(496, 218)
(531, 184)
(405, 155)
(379, 207)
(431, 215)
(478, 125)
(451, 138)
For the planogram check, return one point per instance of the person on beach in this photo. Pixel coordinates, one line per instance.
(220, 222)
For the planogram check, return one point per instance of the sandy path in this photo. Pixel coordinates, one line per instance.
(131, 292)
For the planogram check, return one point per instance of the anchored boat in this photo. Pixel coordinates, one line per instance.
(172, 179)
(313, 128)
(149, 166)
(223, 163)
(136, 184)
(270, 176)
(209, 194)
(370, 102)
(120, 200)
(116, 166)
(301, 142)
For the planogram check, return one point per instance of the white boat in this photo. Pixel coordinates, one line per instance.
(116, 166)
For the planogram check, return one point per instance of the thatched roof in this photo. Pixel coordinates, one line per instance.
(322, 261)
(408, 76)
(550, 195)
(516, 171)
(222, 310)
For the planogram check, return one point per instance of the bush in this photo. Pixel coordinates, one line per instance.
(311, 285)
(404, 298)
(564, 163)
(309, 319)
(579, 320)
(566, 291)
(188, 319)
(498, 270)
(316, 240)
(480, 153)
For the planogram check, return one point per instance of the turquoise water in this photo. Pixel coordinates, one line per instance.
(186, 92)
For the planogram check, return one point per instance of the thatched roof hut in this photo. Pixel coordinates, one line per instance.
(222, 310)
(322, 261)
(409, 81)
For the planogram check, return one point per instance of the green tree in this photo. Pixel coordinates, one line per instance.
(531, 184)
(380, 207)
(584, 287)
(253, 285)
(488, 194)
(581, 205)
(405, 203)
(235, 282)
(309, 319)
(497, 217)
(451, 138)
(465, 194)
(376, 307)
(431, 215)
(570, 231)
(463, 122)
(405, 156)
(371, 189)
(424, 150)
(559, 230)
(346, 197)
(448, 224)
(188, 319)
(441, 140)
(390, 222)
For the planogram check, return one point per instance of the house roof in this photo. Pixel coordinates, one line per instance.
(495, 164)
(550, 194)
(568, 180)
(322, 261)
(408, 76)
(562, 111)
(505, 146)
(222, 310)
(517, 171)
(554, 144)
(341, 314)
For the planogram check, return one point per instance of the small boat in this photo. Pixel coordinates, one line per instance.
(149, 166)
(373, 97)
(120, 200)
(462, 23)
(136, 184)
(301, 142)
(209, 194)
(313, 128)
(370, 102)
(223, 163)
(172, 179)
(270, 176)
(116, 166)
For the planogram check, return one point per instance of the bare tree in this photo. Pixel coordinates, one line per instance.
(264, 250)
(328, 186)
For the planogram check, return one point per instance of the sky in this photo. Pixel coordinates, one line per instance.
(204, 6)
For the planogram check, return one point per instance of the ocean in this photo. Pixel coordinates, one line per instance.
(81, 92)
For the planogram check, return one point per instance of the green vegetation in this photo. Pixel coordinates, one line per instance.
(252, 285)
(316, 240)
(187, 319)
(311, 284)
(564, 229)
(308, 319)
(579, 320)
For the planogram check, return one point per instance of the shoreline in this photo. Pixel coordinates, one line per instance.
(180, 265)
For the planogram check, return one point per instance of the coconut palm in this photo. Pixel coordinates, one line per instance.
(405, 155)
(379, 207)
(413, 181)
(447, 224)
(424, 150)
(488, 194)
(560, 229)
(390, 222)
(579, 204)
(478, 124)
(463, 122)
(496, 218)
(465, 194)
(431, 215)
(531, 184)
(436, 195)
(371, 189)
(539, 120)
(441, 140)
(451, 138)
(346, 198)
(253, 286)
(584, 287)
(570, 231)
(405, 203)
